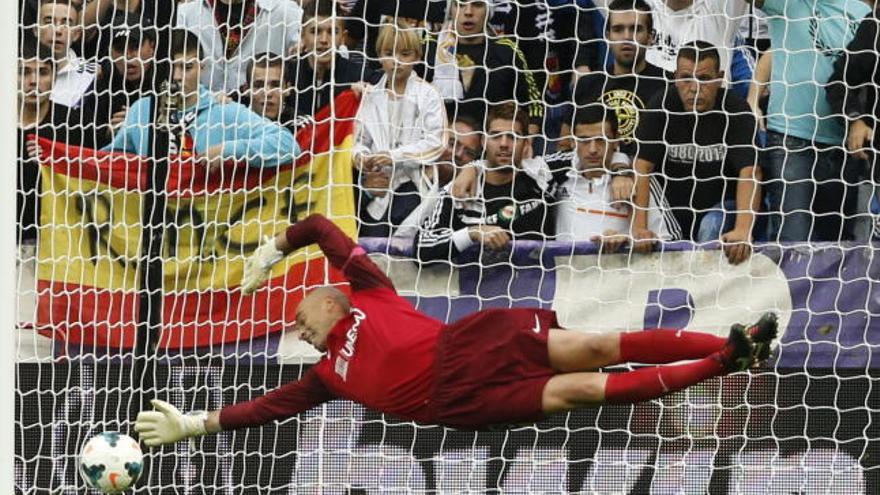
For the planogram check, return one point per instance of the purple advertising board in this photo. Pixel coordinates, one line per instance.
(828, 296)
(808, 423)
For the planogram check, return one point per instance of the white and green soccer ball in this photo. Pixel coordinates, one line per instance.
(111, 462)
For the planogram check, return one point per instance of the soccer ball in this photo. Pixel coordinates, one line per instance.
(111, 462)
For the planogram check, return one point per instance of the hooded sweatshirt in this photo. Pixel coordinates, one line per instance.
(244, 135)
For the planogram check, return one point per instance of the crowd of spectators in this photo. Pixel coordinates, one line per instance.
(483, 122)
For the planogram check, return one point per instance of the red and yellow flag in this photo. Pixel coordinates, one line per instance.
(89, 256)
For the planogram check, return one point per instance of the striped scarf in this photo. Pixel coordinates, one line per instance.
(233, 34)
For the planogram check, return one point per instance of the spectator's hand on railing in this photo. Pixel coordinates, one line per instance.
(623, 187)
(491, 236)
(643, 240)
(858, 138)
(610, 241)
(464, 185)
(737, 245)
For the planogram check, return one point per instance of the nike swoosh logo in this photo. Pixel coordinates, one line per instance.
(537, 328)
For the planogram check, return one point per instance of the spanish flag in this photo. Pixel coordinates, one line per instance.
(90, 239)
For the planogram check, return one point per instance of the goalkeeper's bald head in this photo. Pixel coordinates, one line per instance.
(332, 293)
(318, 313)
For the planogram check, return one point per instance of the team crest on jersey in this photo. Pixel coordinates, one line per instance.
(626, 105)
(507, 214)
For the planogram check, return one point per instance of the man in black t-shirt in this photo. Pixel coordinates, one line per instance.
(105, 19)
(130, 73)
(320, 72)
(630, 82)
(473, 70)
(696, 147)
(510, 204)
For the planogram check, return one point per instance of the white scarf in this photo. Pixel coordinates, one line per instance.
(446, 77)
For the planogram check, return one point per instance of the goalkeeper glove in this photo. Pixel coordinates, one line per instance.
(259, 265)
(166, 424)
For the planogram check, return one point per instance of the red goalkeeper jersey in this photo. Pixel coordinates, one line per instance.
(381, 355)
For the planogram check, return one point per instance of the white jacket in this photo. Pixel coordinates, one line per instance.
(276, 27)
(412, 129)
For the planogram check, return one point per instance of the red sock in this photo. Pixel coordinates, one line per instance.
(667, 346)
(649, 383)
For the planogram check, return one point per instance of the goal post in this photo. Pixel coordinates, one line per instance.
(78, 299)
(9, 28)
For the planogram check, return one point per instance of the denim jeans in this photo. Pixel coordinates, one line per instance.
(722, 218)
(811, 190)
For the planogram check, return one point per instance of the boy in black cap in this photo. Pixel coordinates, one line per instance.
(130, 73)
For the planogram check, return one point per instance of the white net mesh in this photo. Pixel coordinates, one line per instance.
(134, 220)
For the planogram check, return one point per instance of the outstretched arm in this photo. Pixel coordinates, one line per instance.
(166, 424)
(283, 402)
(338, 248)
(317, 229)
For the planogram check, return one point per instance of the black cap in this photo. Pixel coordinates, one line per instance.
(131, 36)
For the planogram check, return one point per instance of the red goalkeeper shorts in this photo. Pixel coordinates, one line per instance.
(492, 367)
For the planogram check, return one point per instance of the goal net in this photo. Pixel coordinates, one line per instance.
(159, 142)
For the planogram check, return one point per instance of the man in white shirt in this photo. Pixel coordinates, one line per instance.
(232, 32)
(677, 22)
(585, 209)
(58, 28)
(681, 21)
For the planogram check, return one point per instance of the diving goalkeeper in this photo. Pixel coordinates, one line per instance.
(494, 367)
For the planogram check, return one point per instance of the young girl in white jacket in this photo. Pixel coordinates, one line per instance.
(401, 131)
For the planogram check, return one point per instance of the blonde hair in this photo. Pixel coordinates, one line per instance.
(394, 38)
